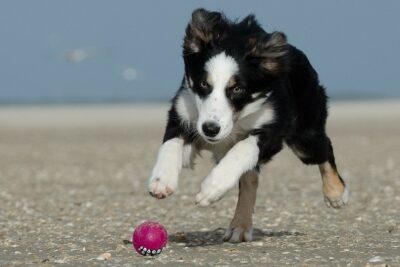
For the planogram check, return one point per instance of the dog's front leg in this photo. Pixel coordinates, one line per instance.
(164, 177)
(241, 158)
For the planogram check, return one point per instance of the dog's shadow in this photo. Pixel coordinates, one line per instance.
(215, 237)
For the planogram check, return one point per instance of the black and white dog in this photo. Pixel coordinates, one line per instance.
(245, 92)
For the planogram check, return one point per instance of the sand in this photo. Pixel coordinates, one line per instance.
(73, 186)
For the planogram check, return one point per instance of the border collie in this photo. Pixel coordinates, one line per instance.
(245, 93)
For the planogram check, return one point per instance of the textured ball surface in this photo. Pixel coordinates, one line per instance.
(149, 238)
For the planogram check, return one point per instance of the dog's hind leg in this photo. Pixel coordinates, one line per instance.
(316, 148)
(336, 193)
(241, 227)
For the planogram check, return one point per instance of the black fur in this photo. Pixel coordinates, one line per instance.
(268, 64)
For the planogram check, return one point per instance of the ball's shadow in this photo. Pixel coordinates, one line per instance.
(215, 237)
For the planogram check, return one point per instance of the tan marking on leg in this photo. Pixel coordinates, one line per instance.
(232, 82)
(334, 190)
(241, 227)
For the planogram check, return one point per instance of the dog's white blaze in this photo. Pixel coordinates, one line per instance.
(221, 68)
(216, 107)
(186, 106)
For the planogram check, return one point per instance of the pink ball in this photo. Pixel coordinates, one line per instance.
(149, 238)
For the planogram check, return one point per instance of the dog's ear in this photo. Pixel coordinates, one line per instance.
(269, 51)
(204, 28)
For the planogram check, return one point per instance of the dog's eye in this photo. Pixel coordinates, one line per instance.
(204, 85)
(238, 90)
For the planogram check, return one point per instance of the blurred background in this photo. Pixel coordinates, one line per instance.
(130, 51)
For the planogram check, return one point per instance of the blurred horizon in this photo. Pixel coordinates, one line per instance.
(130, 51)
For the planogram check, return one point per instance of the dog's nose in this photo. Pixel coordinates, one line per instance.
(211, 129)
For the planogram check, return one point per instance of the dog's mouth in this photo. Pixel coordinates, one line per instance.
(212, 140)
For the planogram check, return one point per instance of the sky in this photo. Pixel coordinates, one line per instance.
(130, 51)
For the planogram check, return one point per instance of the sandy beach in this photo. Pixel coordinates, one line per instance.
(73, 185)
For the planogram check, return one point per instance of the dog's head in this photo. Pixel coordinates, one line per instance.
(230, 67)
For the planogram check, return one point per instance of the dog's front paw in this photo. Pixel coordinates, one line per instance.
(162, 185)
(241, 227)
(212, 189)
(236, 234)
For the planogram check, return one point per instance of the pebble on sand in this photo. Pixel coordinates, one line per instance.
(104, 257)
(376, 259)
